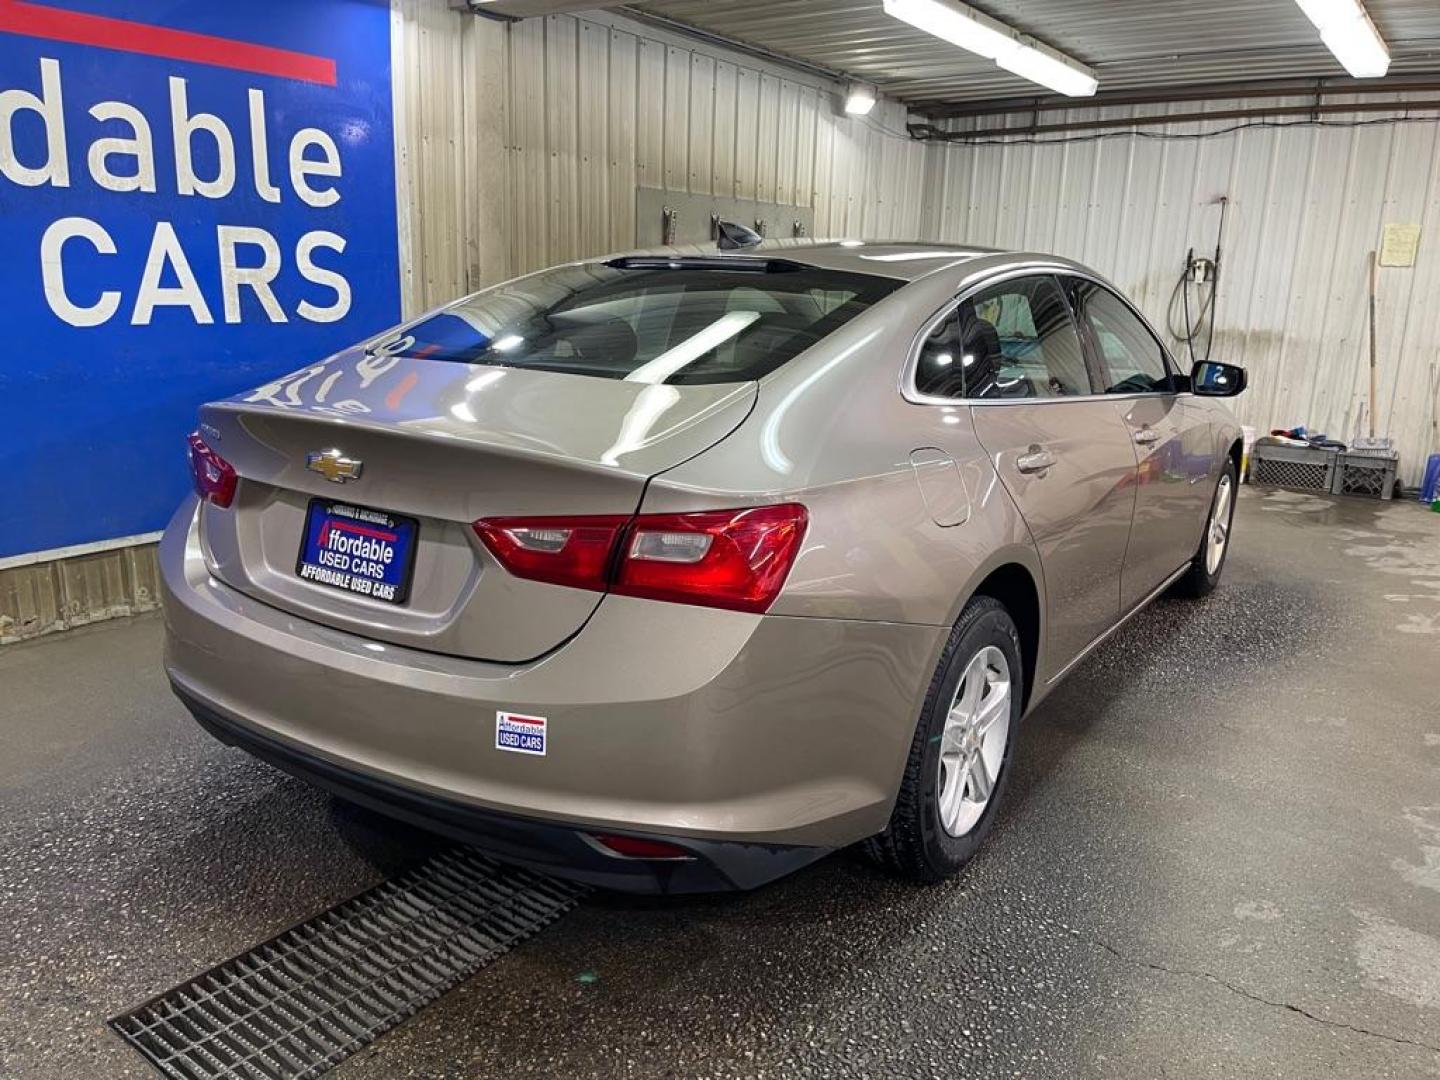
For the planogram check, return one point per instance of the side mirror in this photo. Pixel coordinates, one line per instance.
(1211, 379)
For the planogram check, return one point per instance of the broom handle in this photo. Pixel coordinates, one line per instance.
(1435, 408)
(1373, 394)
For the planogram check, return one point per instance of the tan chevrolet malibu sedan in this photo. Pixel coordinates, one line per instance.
(674, 572)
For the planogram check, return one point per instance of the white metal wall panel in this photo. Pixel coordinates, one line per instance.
(702, 123)
(428, 52)
(529, 154)
(1306, 206)
(825, 174)
(650, 94)
(723, 175)
(562, 107)
(767, 140)
(522, 144)
(486, 166)
(594, 138)
(623, 82)
(676, 111)
(786, 124)
(747, 125)
(810, 102)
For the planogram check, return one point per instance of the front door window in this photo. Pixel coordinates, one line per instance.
(1133, 361)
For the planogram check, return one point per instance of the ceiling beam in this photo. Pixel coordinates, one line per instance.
(526, 9)
(749, 48)
(1218, 91)
(512, 10)
(927, 132)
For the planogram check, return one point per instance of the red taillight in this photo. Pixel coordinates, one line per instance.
(736, 559)
(635, 847)
(214, 476)
(572, 551)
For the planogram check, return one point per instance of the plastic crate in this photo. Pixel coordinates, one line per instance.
(1370, 474)
(1304, 468)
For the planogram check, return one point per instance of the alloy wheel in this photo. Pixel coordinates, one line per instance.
(973, 742)
(1218, 533)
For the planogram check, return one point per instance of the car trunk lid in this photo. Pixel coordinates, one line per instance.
(442, 445)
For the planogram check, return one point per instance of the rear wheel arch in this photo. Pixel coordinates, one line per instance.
(923, 840)
(1013, 585)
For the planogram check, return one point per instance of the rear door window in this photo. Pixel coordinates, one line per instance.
(1015, 339)
(1132, 359)
(937, 369)
(648, 320)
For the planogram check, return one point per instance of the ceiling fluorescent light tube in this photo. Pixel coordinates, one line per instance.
(859, 99)
(956, 24)
(1347, 31)
(1358, 47)
(978, 33)
(1040, 67)
(1325, 13)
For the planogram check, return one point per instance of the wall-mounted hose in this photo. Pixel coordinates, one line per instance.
(1203, 318)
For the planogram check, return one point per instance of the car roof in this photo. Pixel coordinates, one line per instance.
(904, 260)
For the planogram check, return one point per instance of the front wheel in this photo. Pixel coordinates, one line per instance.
(1205, 569)
(960, 757)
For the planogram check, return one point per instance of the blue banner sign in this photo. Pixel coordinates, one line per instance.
(195, 198)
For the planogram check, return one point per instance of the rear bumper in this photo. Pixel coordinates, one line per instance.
(715, 866)
(715, 729)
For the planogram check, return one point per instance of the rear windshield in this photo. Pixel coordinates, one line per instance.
(647, 320)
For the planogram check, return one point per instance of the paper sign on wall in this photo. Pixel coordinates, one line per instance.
(1399, 244)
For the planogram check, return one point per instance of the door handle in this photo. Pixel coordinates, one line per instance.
(1037, 461)
(1146, 436)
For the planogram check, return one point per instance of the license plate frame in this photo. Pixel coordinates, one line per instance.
(357, 566)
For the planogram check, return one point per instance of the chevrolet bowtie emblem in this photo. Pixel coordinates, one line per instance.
(333, 465)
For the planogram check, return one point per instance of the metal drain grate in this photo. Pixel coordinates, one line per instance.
(306, 1000)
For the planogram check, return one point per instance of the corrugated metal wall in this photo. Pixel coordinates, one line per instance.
(1306, 206)
(522, 144)
(59, 595)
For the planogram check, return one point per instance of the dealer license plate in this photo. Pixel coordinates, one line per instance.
(359, 551)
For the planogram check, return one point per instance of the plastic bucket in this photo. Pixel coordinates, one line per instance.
(1430, 486)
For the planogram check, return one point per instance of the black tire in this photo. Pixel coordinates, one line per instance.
(1198, 581)
(915, 844)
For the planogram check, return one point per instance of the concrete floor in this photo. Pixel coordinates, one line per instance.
(1220, 858)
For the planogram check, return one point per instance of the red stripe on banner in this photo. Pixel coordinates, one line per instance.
(53, 24)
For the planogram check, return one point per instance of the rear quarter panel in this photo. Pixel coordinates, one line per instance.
(831, 430)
